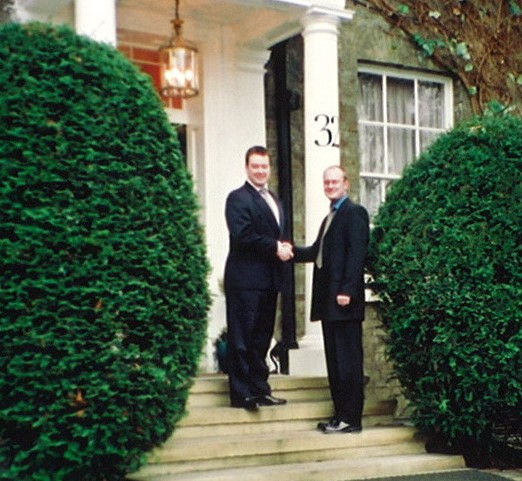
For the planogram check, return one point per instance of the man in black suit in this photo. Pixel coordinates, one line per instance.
(339, 254)
(253, 277)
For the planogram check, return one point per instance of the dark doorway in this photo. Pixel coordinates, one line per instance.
(280, 106)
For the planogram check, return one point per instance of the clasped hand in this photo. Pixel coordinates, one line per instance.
(285, 251)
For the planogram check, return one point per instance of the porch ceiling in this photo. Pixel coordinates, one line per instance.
(256, 22)
(226, 12)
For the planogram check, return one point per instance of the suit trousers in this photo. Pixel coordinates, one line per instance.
(250, 327)
(344, 362)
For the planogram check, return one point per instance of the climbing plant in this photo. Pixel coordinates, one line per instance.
(477, 40)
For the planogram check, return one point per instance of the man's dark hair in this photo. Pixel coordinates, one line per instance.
(256, 149)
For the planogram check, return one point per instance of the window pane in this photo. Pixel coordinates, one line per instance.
(427, 138)
(431, 104)
(401, 149)
(370, 97)
(371, 195)
(371, 145)
(400, 101)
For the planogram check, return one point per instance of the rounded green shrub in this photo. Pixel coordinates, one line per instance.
(104, 294)
(446, 256)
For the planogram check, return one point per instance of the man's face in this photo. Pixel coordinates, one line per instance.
(258, 169)
(334, 184)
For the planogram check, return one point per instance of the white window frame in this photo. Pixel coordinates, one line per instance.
(416, 76)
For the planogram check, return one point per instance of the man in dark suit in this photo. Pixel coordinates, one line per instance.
(339, 254)
(253, 277)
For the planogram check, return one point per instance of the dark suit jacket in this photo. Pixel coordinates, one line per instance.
(344, 255)
(252, 261)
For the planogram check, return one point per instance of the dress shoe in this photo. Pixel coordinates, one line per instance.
(269, 400)
(321, 425)
(248, 403)
(341, 427)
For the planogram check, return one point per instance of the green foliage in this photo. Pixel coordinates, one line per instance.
(104, 295)
(446, 255)
(515, 7)
(467, 39)
(403, 9)
(428, 46)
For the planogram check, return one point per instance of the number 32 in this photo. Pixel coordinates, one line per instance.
(329, 130)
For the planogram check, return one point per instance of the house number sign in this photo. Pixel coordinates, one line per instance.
(328, 135)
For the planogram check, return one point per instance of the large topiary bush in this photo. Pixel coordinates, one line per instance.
(446, 254)
(104, 295)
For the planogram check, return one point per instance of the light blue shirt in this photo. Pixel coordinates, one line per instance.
(338, 203)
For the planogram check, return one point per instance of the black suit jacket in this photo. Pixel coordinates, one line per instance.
(252, 261)
(344, 256)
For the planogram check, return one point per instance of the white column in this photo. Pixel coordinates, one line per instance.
(234, 121)
(321, 102)
(96, 19)
(249, 97)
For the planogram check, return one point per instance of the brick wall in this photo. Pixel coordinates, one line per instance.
(143, 50)
(382, 384)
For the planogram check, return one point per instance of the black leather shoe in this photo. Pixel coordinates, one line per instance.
(323, 424)
(341, 427)
(269, 400)
(248, 403)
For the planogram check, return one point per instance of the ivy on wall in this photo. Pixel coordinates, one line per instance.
(477, 40)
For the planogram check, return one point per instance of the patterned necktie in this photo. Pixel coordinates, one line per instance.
(270, 201)
(328, 221)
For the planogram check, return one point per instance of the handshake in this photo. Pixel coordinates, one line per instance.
(285, 251)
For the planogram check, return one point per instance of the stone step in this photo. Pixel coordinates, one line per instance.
(333, 470)
(175, 449)
(215, 442)
(221, 399)
(308, 399)
(314, 410)
(212, 390)
(282, 458)
(282, 425)
(218, 383)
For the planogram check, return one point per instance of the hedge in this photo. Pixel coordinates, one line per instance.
(104, 293)
(446, 256)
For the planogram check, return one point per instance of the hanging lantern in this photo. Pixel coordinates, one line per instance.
(179, 64)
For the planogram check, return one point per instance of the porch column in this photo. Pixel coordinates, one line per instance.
(249, 97)
(96, 19)
(322, 149)
(234, 121)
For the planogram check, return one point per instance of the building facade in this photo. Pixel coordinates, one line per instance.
(320, 82)
(393, 103)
